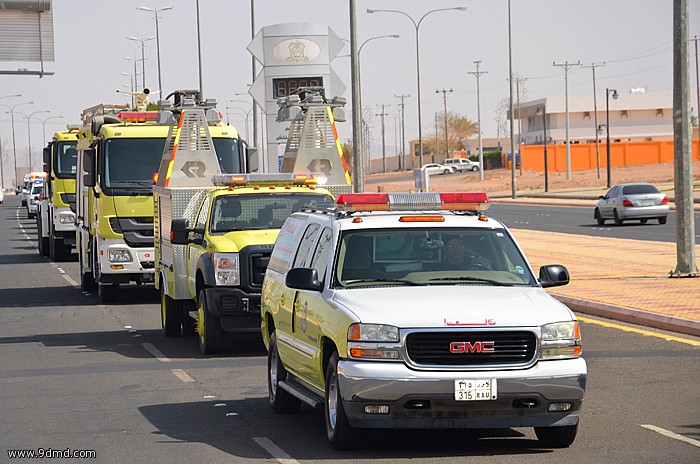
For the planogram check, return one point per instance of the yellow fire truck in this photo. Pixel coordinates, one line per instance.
(119, 152)
(55, 218)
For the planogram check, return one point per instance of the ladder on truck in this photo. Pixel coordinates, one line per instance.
(313, 144)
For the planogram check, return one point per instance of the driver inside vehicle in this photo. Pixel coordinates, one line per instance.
(458, 255)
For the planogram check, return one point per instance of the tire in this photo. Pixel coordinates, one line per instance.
(189, 325)
(43, 242)
(599, 219)
(556, 437)
(170, 315)
(662, 220)
(341, 434)
(475, 168)
(280, 400)
(58, 250)
(211, 336)
(107, 293)
(616, 217)
(87, 281)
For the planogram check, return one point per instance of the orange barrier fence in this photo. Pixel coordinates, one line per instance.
(583, 156)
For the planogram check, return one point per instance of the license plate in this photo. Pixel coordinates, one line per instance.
(647, 203)
(475, 389)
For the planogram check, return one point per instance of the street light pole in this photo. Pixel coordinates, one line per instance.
(543, 111)
(607, 128)
(14, 145)
(29, 134)
(444, 103)
(143, 57)
(416, 25)
(2, 174)
(43, 125)
(155, 12)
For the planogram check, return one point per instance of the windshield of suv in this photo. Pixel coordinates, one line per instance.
(66, 156)
(430, 256)
(131, 163)
(264, 211)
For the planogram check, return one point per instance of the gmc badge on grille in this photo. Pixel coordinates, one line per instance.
(469, 347)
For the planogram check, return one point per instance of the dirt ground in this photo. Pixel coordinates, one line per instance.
(499, 180)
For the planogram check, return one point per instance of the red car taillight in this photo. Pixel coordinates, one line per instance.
(665, 200)
(626, 203)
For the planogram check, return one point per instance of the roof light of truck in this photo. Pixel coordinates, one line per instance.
(423, 201)
(278, 179)
(137, 116)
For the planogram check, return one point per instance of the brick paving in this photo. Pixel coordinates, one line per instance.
(624, 276)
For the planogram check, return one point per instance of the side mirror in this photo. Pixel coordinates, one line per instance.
(47, 155)
(89, 178)
(602, 197)
(302, 278)
(251, 158)
(553, 275)
(180, 231)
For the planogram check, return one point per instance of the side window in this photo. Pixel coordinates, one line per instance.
(307, 241)
(203, 212)
(323, 253)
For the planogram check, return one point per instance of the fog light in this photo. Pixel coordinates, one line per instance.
(377, 409)
(116, 267)
(559, 407)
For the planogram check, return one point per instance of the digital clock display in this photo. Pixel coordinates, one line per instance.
(281, 87)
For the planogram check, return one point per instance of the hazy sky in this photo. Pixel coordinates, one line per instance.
(633, 37)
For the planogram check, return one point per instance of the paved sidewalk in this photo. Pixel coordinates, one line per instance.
(626, 280)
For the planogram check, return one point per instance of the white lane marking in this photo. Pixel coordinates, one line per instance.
(275, 451)
(155, 352)
(670, 434)
(182, 375)
(179, 373)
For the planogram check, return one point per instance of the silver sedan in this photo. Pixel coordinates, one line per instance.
(640, 201)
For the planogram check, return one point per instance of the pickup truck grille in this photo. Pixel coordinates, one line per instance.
(466, 348)
(258, 265)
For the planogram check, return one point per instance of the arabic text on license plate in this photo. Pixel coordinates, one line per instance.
(475, 389)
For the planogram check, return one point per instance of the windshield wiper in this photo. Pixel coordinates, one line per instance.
(474, 279)
(399, 281)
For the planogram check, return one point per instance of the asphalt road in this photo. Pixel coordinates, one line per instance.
(579, 220)
(82, 376)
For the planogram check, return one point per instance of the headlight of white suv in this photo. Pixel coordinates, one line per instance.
(374, 341)
(226, 269)
(561, 340)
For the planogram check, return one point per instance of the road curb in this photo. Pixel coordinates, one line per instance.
(631, 315)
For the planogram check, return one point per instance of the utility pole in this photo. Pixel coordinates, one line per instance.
(595, 114)
(444, 102)
(518, 81)
(682, 149)
(403, 131)
(382, 114)
(697, 94)
(566, 65)
(478, 73)
(436, 137)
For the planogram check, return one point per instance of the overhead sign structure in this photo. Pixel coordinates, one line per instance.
(293, 55)
(26, 34)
